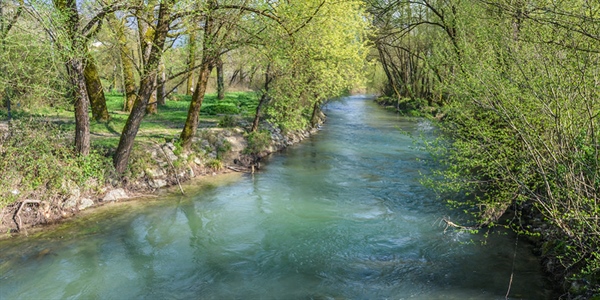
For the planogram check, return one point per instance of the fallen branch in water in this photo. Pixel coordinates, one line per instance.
(236, 169)
(452, 224)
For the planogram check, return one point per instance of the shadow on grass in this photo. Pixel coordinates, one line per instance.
(110, 128)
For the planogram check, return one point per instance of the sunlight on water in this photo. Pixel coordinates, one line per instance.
(341, 216)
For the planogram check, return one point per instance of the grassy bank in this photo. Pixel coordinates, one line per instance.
(518, 177)
(37, 161)
(44, 181)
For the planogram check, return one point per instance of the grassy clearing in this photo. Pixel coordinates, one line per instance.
(165, 125)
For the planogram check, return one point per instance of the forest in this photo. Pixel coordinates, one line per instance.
(514, 86)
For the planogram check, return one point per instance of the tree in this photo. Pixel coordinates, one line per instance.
(147, 84)
(209, 55)
(220, 79)
(6, 24)
(220, 22)
(324, 58)
(71, 35)
(74, 47)
(95, 90)
(127, 60)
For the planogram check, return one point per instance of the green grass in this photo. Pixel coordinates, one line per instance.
(165, 125)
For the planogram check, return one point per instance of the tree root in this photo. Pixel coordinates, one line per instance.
(17, 214)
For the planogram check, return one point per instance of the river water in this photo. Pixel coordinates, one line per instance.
(340, 216)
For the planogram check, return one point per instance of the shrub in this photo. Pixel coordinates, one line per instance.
(258, 141)
(36, 161)
(221, 109)
(227, 121)
(214, 164)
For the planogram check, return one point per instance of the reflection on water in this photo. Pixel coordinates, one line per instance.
(341, 216)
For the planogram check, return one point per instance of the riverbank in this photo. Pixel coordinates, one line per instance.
(527, 213)
(213, 152)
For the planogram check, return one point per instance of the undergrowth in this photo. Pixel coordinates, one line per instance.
(37, 161)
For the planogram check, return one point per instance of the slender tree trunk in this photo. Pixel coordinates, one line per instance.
(191, 62)
(129, 82)
(75, 69)
(208, 61)
(82, 119)
(95, 91)
(191, 123)
(8, 94)
(126, 63)
(146, 34)
(220, 80)
(161, 90)
(263, 100)
(152, 107)
(147, 84)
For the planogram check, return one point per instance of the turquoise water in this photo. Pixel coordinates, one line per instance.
(340, 216)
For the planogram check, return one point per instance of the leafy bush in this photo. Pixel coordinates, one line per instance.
(214, 164)
(227, 121)
(258, 141)
(223, 146)
(221, 109)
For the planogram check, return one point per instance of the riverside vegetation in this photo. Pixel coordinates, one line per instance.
(515, 86)
(38, 162)
(513, 83)
(94, 110)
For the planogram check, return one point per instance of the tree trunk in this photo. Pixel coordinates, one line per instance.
(263, 100)
(191, 123)
(220, 80)
(314, 120)
(146, 34)
(191, 62)
(82, 119)
(95, 91)
(126, 63)
(152, 108)
(8, 94)
(147, 84)
(161, 90)
(208, 60)
(75, 52)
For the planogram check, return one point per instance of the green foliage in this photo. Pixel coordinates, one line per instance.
(36, 162)
(223, 147)
(518, 82)
(258, 141)
(324, 59)
(214, 164)
(140, 160)
(220, 109)
(227, 121)
(521, 121)
(29, 73)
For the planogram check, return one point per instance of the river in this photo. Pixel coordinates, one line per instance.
(340, 216)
